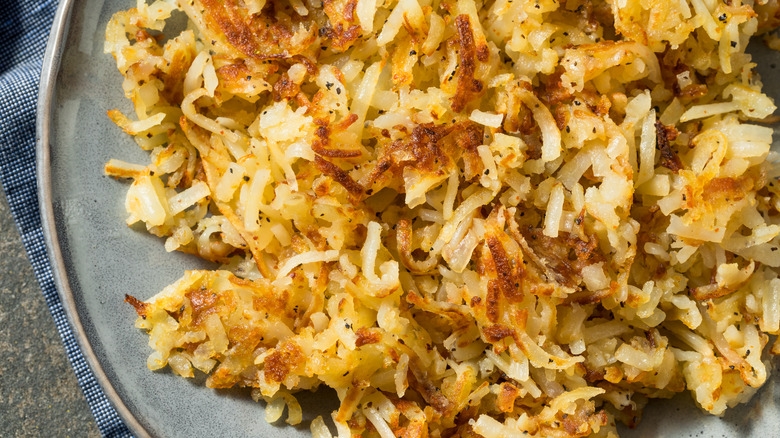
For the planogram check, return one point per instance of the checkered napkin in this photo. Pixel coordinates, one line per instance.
(24, 29)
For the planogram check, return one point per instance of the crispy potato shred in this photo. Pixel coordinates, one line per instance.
(494, 219)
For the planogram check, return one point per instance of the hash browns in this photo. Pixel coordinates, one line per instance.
(468, 218)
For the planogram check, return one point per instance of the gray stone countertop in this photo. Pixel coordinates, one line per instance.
(39, 394)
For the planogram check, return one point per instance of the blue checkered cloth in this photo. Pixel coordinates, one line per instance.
(24, 29)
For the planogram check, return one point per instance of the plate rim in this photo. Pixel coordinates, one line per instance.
(46, 89)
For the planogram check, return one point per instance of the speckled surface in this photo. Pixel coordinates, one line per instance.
(39, 395)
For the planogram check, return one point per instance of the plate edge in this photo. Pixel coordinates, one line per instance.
(47, 86)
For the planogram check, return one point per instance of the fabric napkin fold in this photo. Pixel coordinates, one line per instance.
(24, 30)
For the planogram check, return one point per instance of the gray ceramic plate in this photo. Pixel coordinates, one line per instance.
(97, 259)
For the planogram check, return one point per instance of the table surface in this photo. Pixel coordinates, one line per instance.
(39, 394)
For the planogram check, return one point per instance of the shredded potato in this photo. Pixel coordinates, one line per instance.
(501, 218)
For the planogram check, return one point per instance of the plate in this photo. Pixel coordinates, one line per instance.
(97, 259)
